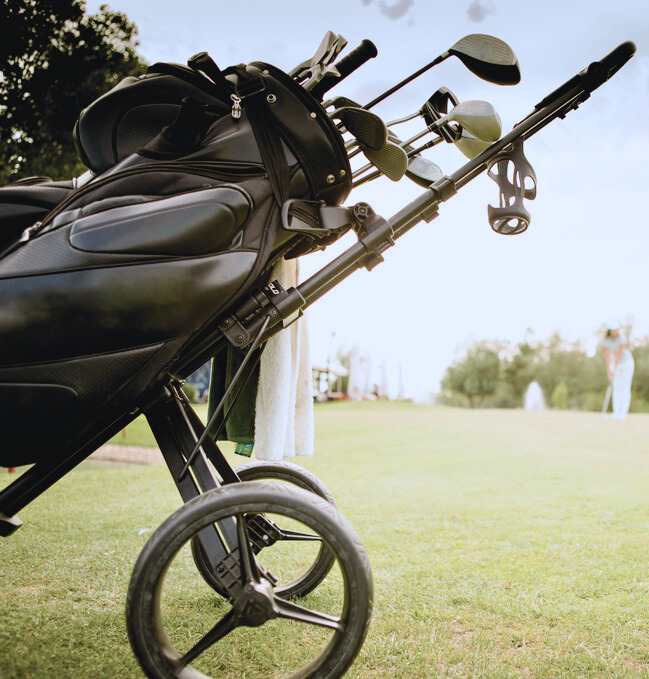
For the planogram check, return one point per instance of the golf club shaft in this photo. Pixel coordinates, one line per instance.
(378, 173)
(405, 81)
(607, 398)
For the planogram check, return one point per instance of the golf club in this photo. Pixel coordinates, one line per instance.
(368, 129)
(340, 102)
(391, 160)
(479, 118)
(607, 398)
(471, 146)
(436, 107)
(420, 170)
(485, 56)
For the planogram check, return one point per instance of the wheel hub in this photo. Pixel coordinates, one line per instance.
(254, 605)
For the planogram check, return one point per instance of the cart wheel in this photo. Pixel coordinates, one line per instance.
(316, 558)
(175, 621)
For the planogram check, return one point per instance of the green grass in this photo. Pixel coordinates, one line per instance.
(503, 544)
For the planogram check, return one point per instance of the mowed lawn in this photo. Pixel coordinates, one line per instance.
(503, 544)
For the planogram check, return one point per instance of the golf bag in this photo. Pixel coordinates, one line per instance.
(117, 278)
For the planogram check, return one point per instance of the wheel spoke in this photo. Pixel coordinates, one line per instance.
(221, 629)
(291, 611)
(247, 563)
(285, 534)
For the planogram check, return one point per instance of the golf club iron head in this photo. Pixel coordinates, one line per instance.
(340, 102)
(369, 130)
(420, 170)
(391, 160)
(423, 171)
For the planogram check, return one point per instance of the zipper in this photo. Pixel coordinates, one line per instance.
(27, 233)
(201, 168)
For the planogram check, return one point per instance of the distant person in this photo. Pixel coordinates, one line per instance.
(619, 366)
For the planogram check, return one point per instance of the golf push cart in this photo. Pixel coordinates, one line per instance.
(119, 284)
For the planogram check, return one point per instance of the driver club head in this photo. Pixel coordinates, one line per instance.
(369, 130)
(487, 57)
(471, 146)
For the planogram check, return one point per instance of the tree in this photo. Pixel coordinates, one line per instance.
(54, 61)
(475, 375)
(641, 373)
(560, 396)
(521, 369)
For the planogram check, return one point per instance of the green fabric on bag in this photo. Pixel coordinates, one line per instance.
(240, 426)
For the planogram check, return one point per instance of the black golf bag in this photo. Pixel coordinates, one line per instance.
(108, 286)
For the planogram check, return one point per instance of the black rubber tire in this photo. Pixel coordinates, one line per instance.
(297, 476)
(153, 649)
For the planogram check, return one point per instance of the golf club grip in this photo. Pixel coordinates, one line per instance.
(356, 58)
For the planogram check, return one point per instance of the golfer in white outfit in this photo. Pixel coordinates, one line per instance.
(620, 366)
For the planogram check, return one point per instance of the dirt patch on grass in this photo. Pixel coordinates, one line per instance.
(111, 454)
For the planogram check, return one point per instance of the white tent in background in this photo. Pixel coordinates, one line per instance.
(356, 382)
(534, 397)
(383, 386)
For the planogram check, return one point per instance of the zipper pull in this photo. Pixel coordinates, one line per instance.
(29, 232)
(236, 106)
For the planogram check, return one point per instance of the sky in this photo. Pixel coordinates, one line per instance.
(454, 281)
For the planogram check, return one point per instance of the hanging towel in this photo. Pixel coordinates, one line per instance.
(284, 404)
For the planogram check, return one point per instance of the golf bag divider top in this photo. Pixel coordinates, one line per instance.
(101, 300)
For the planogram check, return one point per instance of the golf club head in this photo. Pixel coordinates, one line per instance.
(391, 160)
(340, 102)
(479, 118)
(436, 107)
(471, 146)
(423, 171)
(487, 57)
(368, 129)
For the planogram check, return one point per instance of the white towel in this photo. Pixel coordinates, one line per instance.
(284, 406)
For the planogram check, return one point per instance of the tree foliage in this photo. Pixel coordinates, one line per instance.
(54, 61)
(498, 374)
(475, 375)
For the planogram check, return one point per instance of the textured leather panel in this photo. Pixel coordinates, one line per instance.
(65, 397)
(190, 224)
(51, 253)
(140, 124)
(102, 373)
(78, 313)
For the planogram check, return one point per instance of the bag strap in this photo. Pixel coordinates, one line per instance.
(251, 91)
(204, 64)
